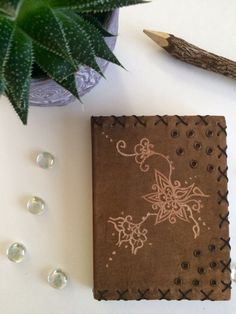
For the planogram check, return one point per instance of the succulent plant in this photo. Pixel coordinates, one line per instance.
(55, 35)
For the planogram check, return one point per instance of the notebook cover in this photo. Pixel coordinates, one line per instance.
(160, 208)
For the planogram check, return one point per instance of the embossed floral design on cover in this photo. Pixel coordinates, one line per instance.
(160, 208)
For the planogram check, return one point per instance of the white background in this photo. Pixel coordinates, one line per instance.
(154, 84)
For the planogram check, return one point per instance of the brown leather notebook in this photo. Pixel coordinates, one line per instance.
(160, 208)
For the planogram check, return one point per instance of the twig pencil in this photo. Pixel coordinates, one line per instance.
(194, 55)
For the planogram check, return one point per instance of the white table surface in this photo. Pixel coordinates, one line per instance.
(154, 84)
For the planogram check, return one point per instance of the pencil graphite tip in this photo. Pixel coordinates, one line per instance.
(160, 38)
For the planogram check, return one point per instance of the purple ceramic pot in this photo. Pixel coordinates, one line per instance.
(46, 92)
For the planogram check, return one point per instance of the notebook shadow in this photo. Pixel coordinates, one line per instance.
(76, 196)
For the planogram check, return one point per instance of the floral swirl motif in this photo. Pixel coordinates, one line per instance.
(169, 200)
(172, 202)
(129, 232)
(142, 152)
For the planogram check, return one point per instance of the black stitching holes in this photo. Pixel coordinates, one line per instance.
(174, 133)
(185, 265)
(197, 146)
(212, 247)
(180, 151)
(209, 150)
(213, 282)
(213, 265)
(197, 253)
(210, 168)
(178, 281)
(196, 283)
(190, 133)
(193, 164)
(209, 133)
(201, 270)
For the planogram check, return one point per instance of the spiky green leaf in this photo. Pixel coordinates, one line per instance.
(79, 41)
(60, 41)
(9, 7)
(17, 72)
(96, 39)
(55, 66)
(21, 106)
(7, 29)
(70, 84)
(42, 25)
(93, 20)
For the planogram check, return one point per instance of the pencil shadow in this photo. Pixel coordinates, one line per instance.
(183, 72)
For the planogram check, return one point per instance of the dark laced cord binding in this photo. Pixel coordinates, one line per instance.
(163, 294)
(226, 266)
(121, 295)
(184, 295)
(119, 121)
(162, 119)
(142, 294)
(222, 199)
(140, 120)
(227, 285)
(101, 295)
(181, 120)
(225, 244)
(224, 219)
(203, 120)
(222, 174)
(207, 295)
(222, 129)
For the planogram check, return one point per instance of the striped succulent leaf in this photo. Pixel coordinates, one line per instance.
(55, 35)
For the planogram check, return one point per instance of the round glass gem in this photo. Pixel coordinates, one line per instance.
(233, 272)
(57, 279)
(16, 252)
(45, 160)
(36, 205)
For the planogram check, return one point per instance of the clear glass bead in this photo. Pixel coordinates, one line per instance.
(233, 272)
(36, 205)
(16, 252)
(45, 160)
(57, 279)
